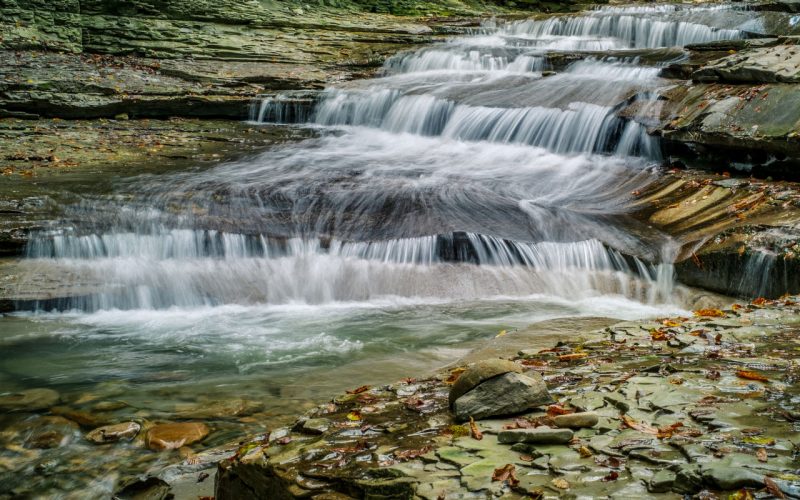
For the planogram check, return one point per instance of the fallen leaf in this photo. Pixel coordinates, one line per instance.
(761, 454)
(709, 313)
(749, 375)
(572, 357)
(658, 335)
(554, 410)
(612, 476)
(759, 301)
(506, 473)
(361, 389)
(560, 483)
(454, 376)
(473, 429)
(773, 488)
(667, 431)
(354, 415)
(742, 494)
(639, 426)
(584, 452)
(411, 454)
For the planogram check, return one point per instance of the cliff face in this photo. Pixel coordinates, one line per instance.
(102, 58)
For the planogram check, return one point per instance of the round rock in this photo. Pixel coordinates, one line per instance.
(480, 372)
(173, 436)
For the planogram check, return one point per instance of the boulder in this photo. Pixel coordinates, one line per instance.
(539, 435)
(728, 478)
(480, 372)
(112, 433)
(174, 435)
(507, 394)
(576, 420)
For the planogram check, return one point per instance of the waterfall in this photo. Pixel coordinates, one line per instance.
(499, 164)
(189, 268)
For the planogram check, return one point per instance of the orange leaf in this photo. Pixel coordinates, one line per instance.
(759, 301)
(751, 376)
(658, 335)
(571, 357)
(473, 429)
(454, 376)
(761, 454)
(709, 313)
(554, 410)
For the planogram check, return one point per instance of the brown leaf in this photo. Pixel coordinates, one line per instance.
(561, 483)
(612, 476)
(667, 431)
(411, 454)
(506, 473)
(584, 452)
(361, 389)
(473, 430)
(750, 375)
(639, 426)
(557, 409)
(773, 488)
(761, 454)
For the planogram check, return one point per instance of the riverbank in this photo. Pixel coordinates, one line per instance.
(688, 405)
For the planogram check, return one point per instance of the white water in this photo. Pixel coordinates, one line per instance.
(468, 188)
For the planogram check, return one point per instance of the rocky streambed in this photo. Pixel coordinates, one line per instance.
(703, 406)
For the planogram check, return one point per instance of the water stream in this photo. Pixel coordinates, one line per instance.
(477, 185)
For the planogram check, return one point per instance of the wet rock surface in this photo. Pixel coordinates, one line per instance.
(700, 405)
(92, 59)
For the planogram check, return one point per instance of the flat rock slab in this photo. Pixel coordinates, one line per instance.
(508, 394)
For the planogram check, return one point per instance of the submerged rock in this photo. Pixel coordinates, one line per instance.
(29, 400)
(507, 394)
(480, 372)
(112, 433)
(174, 435)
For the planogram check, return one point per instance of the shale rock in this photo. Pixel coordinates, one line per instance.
(732, 478)
(480, 372)
(507, 394)
(174, 435)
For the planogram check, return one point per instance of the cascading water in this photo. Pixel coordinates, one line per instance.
(477, 168)
(479, 184)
